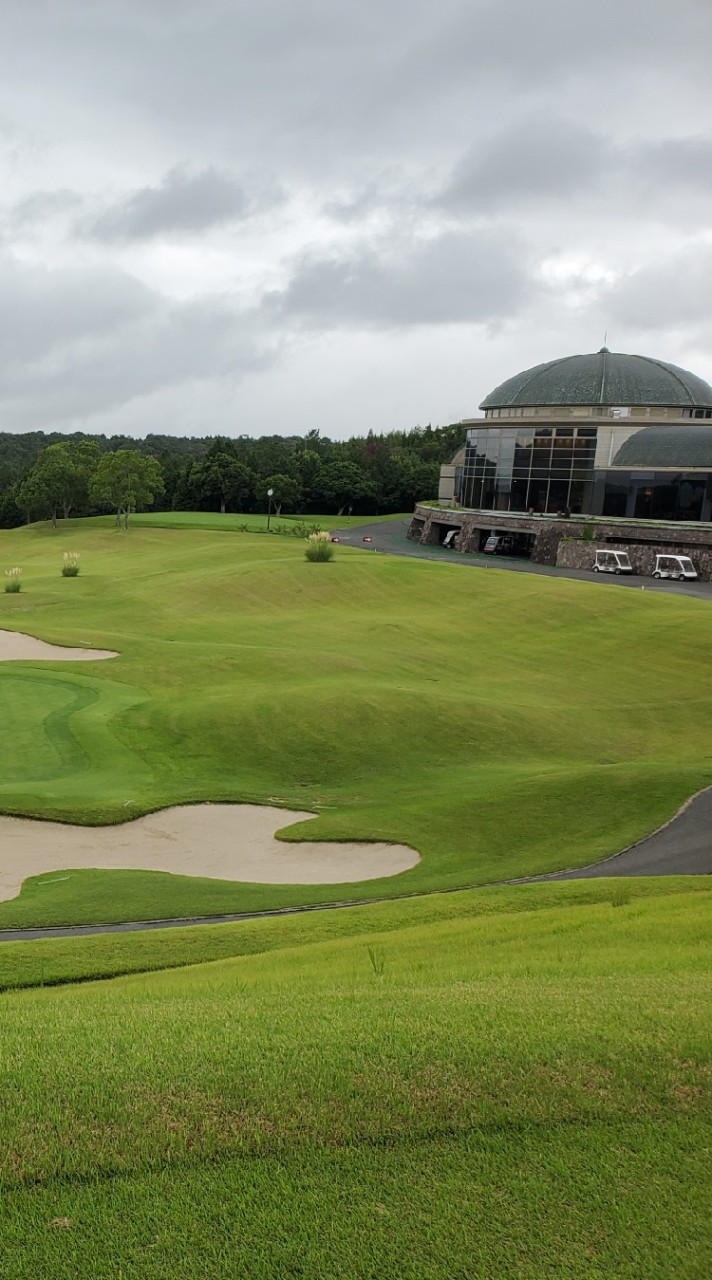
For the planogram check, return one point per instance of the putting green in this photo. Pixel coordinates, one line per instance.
(59, 744)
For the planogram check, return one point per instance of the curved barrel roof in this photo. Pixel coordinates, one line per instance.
(602, 378)
(683, 447)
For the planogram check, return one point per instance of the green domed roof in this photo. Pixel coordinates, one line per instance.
(605, 378)
(683, 447)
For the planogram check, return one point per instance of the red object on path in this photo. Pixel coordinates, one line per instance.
(336, 539)
(367, 539)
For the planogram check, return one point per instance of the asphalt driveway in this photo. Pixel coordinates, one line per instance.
(391, 536)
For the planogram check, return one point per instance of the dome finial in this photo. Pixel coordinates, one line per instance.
(604, 349)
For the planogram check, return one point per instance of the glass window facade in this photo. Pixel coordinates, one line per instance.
(659, 495)
(541, 469)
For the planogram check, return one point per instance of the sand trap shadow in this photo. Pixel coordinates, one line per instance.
(15, 646)
(219, 841)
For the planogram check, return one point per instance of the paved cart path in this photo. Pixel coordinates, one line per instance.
(683, 847)
(391, 536)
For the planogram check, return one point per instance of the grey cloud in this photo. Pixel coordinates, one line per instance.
(539, 158)
(555, 41)
(42, 309)
(41, 207)
(182, 202)
(362, 109)
(548, 159)
(78, 342)
(451, 279)
(385, 191)
(679, 162)
(316, 84)
(670, 294)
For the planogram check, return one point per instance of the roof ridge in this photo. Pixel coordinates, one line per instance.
(669, 368)
(603, 352)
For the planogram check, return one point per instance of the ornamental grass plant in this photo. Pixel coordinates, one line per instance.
(14, 580)
(70, 568)
(319, 547)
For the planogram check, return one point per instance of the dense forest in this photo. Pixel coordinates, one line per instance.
(50, 476)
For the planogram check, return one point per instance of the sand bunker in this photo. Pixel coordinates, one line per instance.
(16, 647)
(220, 841)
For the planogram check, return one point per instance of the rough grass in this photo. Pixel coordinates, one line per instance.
(502, 724)
(519, 1093)
(54, 961)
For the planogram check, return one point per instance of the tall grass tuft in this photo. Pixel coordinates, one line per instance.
(319, 547)
(14, 580)
(70, 568)
(378, 961)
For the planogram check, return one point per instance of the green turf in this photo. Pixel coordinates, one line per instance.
(236, 523)
(502, 724)
(507, 1093)
(52, 961)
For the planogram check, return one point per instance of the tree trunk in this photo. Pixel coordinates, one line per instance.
(54, 517)
(222, 506)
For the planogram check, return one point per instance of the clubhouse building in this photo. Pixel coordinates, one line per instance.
(619, 438)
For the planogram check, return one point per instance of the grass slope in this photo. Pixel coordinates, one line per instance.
(55, 961)
(502, 724)
(236, 523)
(519, 1093)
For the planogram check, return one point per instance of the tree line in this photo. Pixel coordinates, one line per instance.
(51, 477)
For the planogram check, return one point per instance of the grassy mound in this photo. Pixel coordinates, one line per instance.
(501, 724)
(499, 1091)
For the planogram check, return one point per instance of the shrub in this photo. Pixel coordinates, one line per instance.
(303, 530)
(297, 528)
(319, 547)
(70, 568)
(14, 579)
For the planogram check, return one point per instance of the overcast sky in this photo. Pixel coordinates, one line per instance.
(257, 216)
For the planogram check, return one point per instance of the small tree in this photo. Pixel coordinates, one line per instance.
(343, 483)
(125, 480)
(59, 479)
(222, 481)
(287, 492)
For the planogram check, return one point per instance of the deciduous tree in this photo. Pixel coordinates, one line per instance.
(343, 483)
(125, 480)
(287, 492)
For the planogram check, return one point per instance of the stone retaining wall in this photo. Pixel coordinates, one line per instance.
(580, 554)
(557, 540)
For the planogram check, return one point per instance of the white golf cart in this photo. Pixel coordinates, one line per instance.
(680, 567)
(612, 562)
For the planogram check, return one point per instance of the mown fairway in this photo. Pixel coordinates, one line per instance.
(437, 1090)
(502, 724)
